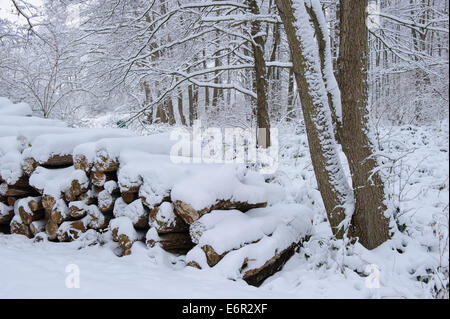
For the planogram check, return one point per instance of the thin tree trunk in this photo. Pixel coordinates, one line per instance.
(180, 107)
(171, 113)
(262, 112)
(191, 105)
(368, 221)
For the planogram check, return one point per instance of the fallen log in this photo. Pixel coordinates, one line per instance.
(256, 277)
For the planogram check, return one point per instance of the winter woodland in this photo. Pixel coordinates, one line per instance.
(200, 149)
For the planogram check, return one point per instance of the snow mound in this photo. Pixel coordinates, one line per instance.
(47, 145)
(53, 182)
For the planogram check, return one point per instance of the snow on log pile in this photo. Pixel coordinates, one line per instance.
(59, 183)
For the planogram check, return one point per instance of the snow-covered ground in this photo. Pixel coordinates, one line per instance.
(415, 162)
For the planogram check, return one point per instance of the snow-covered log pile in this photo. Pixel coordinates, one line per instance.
(59, 183)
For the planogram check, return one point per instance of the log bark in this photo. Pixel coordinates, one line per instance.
(190, 215)
(55, 161)
(58, 161)
(130, 196)
(176, 243)
(256, 277)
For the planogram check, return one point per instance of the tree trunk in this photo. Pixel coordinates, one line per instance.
(368, 221)
(171, 113)
(323, 41)
(331, 180)
(180, 107)
(290, 99)
(191, 105)
(262, 112)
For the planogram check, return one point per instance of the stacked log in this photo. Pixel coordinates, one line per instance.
(93, 187)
